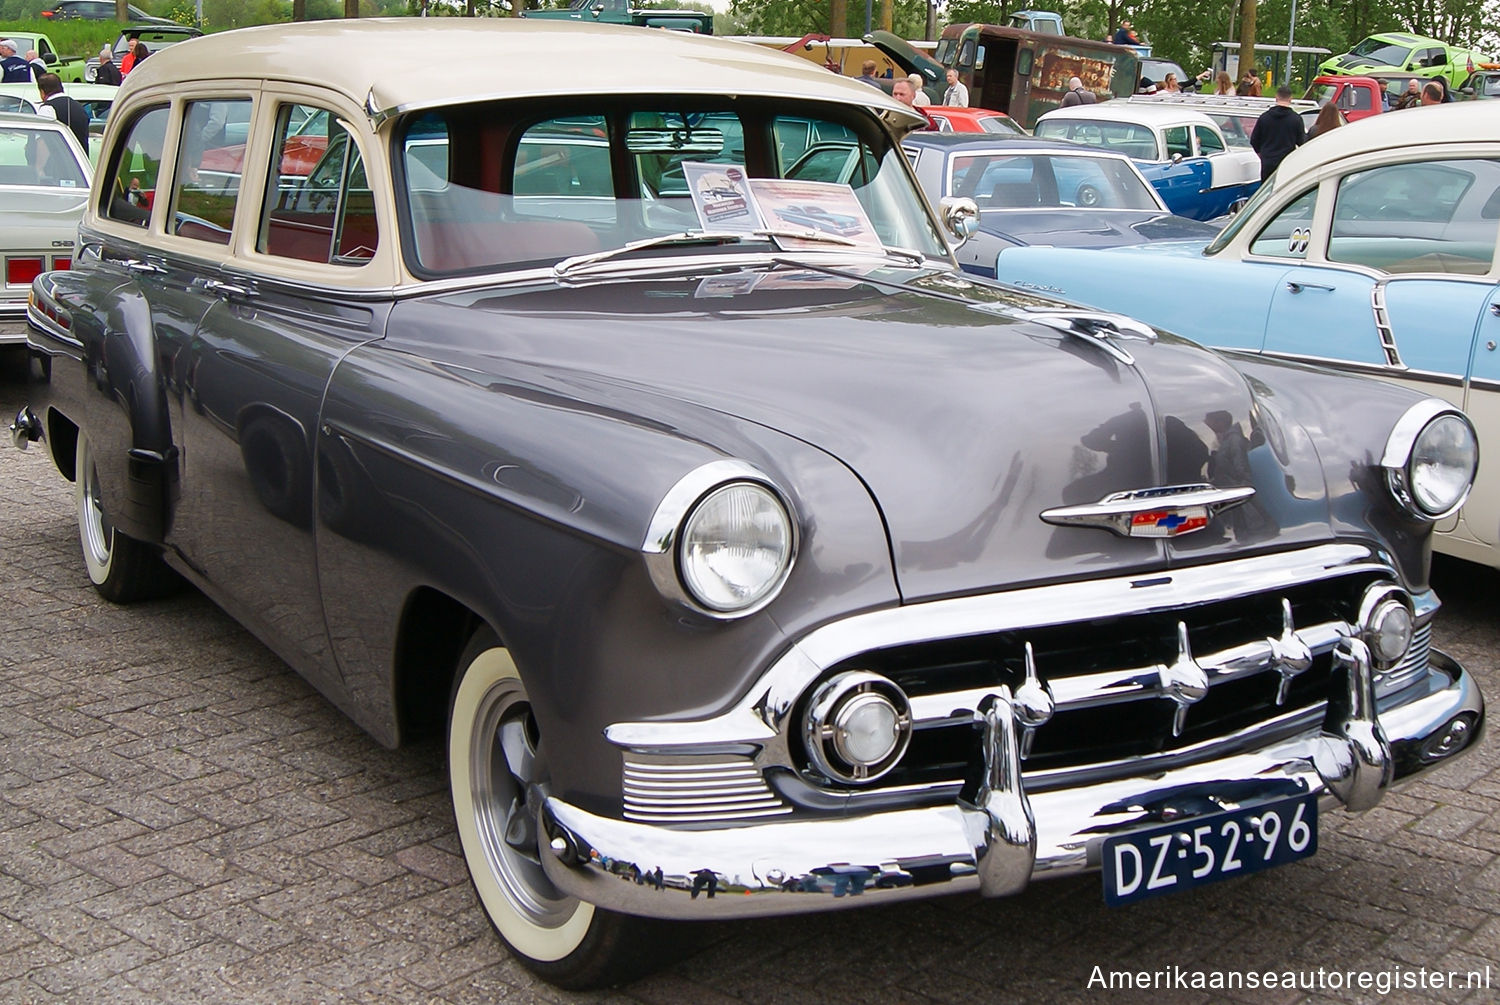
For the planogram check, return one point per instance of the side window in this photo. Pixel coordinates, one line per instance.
(318, 205)
(979, 58)
(1290, 233)
(210, 159)
(134, 169)
(1177, 141)
(1437, 216)
(1208, 141)
(966, 54)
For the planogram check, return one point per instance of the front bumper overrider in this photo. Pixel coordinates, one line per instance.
(997, 837)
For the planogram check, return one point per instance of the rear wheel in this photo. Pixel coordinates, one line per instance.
(121, 568)
(495, 759)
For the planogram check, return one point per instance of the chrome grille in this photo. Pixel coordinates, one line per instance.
(696, 789)
(1413, 663)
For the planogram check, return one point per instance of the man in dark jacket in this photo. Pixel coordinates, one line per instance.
(67, 111)
(108, 72)
(1277, 132)
(13, 69)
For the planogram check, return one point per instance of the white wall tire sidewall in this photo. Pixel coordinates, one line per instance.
(525, 936)
(93, 537)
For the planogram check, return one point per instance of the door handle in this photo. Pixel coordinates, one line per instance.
(226, 290)
(1294, 286)
(1495, 310)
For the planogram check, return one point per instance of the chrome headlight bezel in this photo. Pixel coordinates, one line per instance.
(1410, 441)
(825, 722)
(666, 537)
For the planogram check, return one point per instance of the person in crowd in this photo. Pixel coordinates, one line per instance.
(957, 95)
(108, 72)
(57, 105)
(37, 63)
(1078, 94)
(867, 74)
(1125, 35)
(903, 92)
(1411, 97)
(920, 97)
(1329, 118)
(1223, 83)
(13, 69)
(1432, 93)
(1169, 84)
(137, 54)
(1249, 85)
(1277, 132)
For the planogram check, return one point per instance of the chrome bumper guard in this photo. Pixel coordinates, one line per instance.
(26, 429)
(999, 840)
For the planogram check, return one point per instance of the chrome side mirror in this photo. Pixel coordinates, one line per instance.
(1177, 158)
(960, 216)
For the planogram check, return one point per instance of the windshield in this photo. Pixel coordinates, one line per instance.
(1041, 181)
(1243, 217)
(498, 185)
(1381, 53)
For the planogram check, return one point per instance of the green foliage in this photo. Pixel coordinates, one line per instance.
(70, 38)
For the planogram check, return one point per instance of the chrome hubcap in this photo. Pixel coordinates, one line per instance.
(503, 768)
(93, 527)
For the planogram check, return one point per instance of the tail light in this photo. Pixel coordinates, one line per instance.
(61, 263)
(21, 271)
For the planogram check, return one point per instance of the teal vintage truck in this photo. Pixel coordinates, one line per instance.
(621, 12)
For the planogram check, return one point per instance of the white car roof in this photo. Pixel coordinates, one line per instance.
(391, 65)
(1455, 123)
(1157, 117)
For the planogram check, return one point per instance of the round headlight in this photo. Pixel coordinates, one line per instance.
(1442, 465)
(736, 547)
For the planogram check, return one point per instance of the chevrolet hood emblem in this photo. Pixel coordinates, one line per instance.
(1170, 511)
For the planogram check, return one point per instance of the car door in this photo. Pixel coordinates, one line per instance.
(259, 358)
(1405, 289)
(1182, 179)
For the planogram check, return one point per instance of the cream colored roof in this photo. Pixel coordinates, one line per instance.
(1455, 123)
(390, 64)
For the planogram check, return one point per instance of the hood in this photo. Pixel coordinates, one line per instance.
(1093, 228)
(964, 420)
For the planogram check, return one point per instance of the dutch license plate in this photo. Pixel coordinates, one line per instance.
(1201, 850)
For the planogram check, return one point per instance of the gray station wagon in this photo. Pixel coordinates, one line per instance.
(749, 565)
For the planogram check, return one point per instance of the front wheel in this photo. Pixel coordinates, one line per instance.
(495, 761)
(121, 568)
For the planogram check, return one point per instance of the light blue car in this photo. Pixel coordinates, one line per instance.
(1372, 249)
(1180, 150)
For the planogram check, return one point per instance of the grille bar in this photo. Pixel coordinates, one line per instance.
(697, 789)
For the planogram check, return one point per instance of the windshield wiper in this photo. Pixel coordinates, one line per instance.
(569, 266)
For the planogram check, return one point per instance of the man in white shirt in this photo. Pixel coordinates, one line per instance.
(957, 95)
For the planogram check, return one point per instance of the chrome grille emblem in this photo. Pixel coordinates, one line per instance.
(1185, 682)
(1165, 512)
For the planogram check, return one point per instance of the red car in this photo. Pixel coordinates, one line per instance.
(1356, 97)
(954, 119)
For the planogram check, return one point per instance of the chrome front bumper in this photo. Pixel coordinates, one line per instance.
(1001, 838)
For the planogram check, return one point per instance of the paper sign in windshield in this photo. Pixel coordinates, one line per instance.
(721, 195)
(824, 207)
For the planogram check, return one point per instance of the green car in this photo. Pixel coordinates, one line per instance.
(1406, 53)
(66, 67)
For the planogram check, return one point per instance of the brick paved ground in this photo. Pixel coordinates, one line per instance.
(183, 820)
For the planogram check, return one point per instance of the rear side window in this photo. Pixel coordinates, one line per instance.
(210, 160)
(318, 206)
(1208, 141)
(131, 191)
(1437, 216)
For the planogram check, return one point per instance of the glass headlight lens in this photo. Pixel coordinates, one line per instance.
(1389, 633)
(1442, 465)
(736, 547)
(867, 729)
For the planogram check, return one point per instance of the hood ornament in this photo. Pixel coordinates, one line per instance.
(1170, 511)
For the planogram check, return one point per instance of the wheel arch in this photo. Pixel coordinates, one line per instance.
(433, 631)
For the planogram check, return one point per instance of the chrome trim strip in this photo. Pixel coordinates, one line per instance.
(757, 717)
(1383, 325)
(1370, 369)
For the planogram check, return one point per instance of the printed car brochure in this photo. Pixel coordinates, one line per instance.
(826, 207)
(722, 196)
